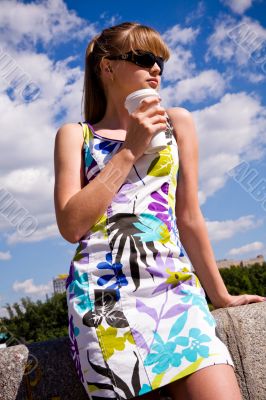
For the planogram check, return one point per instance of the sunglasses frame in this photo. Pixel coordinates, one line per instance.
(132, 57)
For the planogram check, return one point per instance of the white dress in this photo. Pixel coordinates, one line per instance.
(138, 315)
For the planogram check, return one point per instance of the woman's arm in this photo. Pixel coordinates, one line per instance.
(78, 207)
(190, 221)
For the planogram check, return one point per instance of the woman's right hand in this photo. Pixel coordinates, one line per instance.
(148, 119)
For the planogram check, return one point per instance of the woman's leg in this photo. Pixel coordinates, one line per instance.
(213, 382)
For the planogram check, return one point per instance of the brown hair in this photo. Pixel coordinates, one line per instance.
(118, 39)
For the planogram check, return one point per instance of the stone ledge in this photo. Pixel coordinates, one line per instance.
(242, 329)
(50, 373)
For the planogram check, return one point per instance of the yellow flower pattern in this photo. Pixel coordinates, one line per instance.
(143, 321)
(110, 340)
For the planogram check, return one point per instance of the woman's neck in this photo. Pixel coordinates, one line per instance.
(116, 115)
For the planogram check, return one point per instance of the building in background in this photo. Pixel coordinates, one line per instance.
(60, 283)
(225, 263)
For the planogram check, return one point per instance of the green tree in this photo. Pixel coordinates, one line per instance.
(38, 321)
(250, 279)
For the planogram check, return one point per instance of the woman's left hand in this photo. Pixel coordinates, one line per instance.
(239, 300)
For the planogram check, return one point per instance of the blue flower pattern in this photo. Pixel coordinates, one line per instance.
(78, 287)
(164, 354)
(117, 276)
(161, 329)
(200, 301)
(196, 347)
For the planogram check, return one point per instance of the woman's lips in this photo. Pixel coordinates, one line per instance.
(153, 82)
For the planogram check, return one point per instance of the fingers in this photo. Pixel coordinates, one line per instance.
(150, 122)
(257, 298)
(245, 299)
(155, 111)
(150, 112)
(156, 119)
(253, 298)
(148, 102)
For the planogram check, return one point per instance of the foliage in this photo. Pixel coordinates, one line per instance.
(240, 280)
(250, 279)
(36, 321)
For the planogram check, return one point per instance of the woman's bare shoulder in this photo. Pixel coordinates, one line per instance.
(68, 143)
(181, 111)
(69, 134)
(70, 129)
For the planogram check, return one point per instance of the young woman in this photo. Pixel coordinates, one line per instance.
(138, 316)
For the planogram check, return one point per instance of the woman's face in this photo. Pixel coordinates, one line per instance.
(128, 77)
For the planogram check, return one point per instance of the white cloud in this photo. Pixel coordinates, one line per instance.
(28, 287)
(220, 45)
(28, 129)
(198, 12)
(46, 22)
(195, 89)
(43, 233)
(27, 195)
(254, 78)
(221, 230)
(5, 255)
(181, 64)
(248, 248)
(28, 180)
(176, 34)
(239, 44)
(229, 131)
(238, 6)
(110, 20)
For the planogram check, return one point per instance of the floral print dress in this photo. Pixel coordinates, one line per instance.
(138, 315)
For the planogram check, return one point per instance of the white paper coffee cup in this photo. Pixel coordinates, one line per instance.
(133, 100)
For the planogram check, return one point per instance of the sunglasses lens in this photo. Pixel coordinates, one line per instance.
(148, 60)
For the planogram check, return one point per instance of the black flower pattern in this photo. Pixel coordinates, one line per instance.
(105, 307)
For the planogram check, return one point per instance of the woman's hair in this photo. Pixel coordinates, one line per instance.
(118, 39)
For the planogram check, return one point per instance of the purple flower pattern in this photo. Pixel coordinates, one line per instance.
(162, 304)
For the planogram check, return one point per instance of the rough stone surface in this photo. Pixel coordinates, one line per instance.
(45, 371)
(242, 329)
(53, 375)
(12, 362)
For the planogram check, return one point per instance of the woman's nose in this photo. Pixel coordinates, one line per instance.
(155, 67)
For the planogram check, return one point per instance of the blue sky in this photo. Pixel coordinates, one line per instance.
(217, 70)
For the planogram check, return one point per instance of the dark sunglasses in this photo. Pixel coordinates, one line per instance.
(144, 59)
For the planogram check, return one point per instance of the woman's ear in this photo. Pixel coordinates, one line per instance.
(105, 65)
(107, 70)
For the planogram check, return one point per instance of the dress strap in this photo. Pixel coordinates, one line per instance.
(87, 134)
